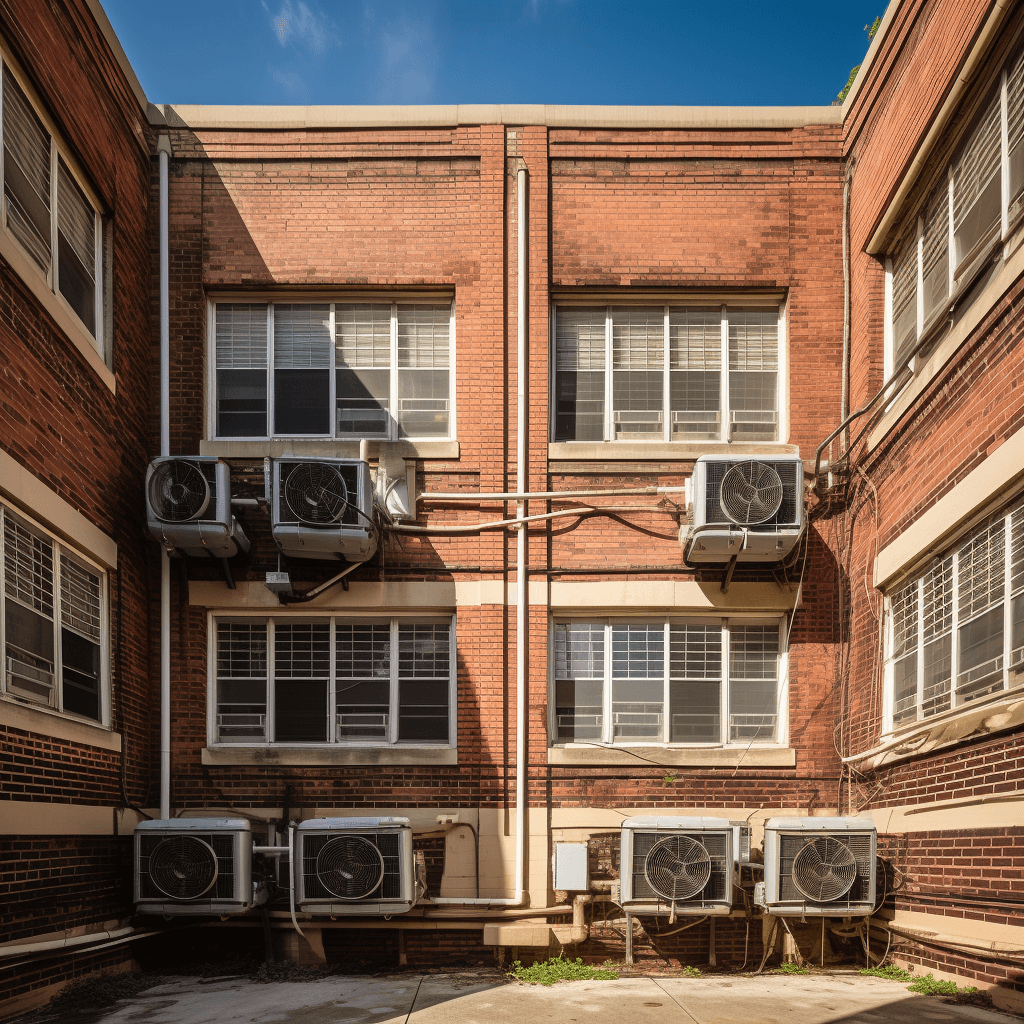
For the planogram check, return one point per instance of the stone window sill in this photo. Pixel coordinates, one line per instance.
(725, 757)
(230, 754)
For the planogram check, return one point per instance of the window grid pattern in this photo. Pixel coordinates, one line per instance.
(665, 682)
(386, 682)
(52, 609)
(951, 632)
(384, 372)
(669, 367)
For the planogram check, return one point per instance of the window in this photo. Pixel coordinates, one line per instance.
(333, 680)
(52, 621)
(654, 682)
(666, 373)
(49, 213)
(955, 633)
(333, 369)
(962, 220)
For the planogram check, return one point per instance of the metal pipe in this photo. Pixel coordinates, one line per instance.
(520, 520)
(518, 496)
(495, 524)
(163, 149)
(844, 400)
(70, 942)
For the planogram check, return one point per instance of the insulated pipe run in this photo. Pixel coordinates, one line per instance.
(520, 519)
(520, 496)
(164, 149)
(521, 605)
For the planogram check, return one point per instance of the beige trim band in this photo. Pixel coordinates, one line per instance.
(727, 757)
(329, 449)
(54, 725)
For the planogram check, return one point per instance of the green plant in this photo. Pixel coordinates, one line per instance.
(871, 30)
(929, 985)
(560, 969)
(790, 968)
(689, 971)
(890, 972)
(669, 778)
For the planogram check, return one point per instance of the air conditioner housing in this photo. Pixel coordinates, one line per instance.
(676, 863)
(188, 506)
(358, 866)
(819, 867)
(301, 531)
(714, 538)
(741, 833)
(193, 866)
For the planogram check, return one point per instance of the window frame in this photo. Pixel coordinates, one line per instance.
(334, 301)
(781, 738)
(59, 549)
(359, 743)
(915, 582)
(910, 231)
(100, 336)
(738, 303)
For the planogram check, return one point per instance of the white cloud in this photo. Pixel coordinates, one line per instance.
(298, 24)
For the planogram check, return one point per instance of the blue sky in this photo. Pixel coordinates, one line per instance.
(493, 51)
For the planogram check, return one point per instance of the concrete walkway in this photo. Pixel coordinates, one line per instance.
(451, 999)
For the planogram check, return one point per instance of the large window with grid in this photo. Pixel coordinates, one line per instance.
(947, 243)
(680, 681)
(53, 621)
(666, 373)
(49, 212)
(333, 369)
(366, 682)
(955, 633)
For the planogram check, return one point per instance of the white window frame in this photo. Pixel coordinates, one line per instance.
(960, 279)
(781, 738)
(390, 743)
(1011, 517)
(725, 433)
(59, 548)
(392, 433)
(59, 153)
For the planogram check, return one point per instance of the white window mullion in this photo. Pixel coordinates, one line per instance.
(954, 644)
(393, 381)
(609, 373)
(726, 729)
(99, 268)
(888, 354)
(393, 708)
(920, 649)
(782, 686)
(666, 705)
(920, 275)
(951, 245)
(332, 671)
(53, 278)
(666, 403)
(271, 724)
(1007, 561)
(724, 399)
(607, 731)
(332, 398)
(58, 618)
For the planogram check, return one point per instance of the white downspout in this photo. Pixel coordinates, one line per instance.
(521, 592)
(164, 151)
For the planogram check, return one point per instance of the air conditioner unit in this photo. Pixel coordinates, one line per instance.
(819, 867)
(354, 866)
(676, 865)
(750, 509)
(322, 508)
(188, 506)
(189, 866)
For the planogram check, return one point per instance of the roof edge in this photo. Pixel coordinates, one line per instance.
(455, 115)
(107, 30)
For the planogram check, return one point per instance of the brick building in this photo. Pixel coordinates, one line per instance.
(517, 312)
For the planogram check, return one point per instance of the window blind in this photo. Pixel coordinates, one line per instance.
(638, 338)
(28, 566)
(76, 220)
(423, 336)
(579, 339)
(695, 339)
(977, 164)
(302, 338)
(363, 335)
(79, 598)
(241, 336)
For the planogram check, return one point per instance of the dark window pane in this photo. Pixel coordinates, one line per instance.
(696, 711)
(981, 656)
(579, 405)
(578, 711)
(242, 403)
(77, 283)
(363, 707)
(904, 681)
(302, 402)
(81, 675)
(362, 398)
(300, 708)
(423, 710)
(938, 664)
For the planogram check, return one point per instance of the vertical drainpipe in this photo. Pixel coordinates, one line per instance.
(522, 602)
(164, 150)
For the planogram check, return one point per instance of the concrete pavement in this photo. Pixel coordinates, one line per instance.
(455, 999)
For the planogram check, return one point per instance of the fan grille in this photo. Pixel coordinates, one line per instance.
(350, 867)
(183, 867)
(178, 491)
(316, 493)
(751, 493)
(677, 868)
(824, 869)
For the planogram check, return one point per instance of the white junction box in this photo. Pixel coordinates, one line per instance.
(570, 867)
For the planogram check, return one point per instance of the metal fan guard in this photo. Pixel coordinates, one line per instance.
(316, 493)
(183, 867)
(677, 868)
(178, 491)
(750, 493)
(824, 869)
(350, 867)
